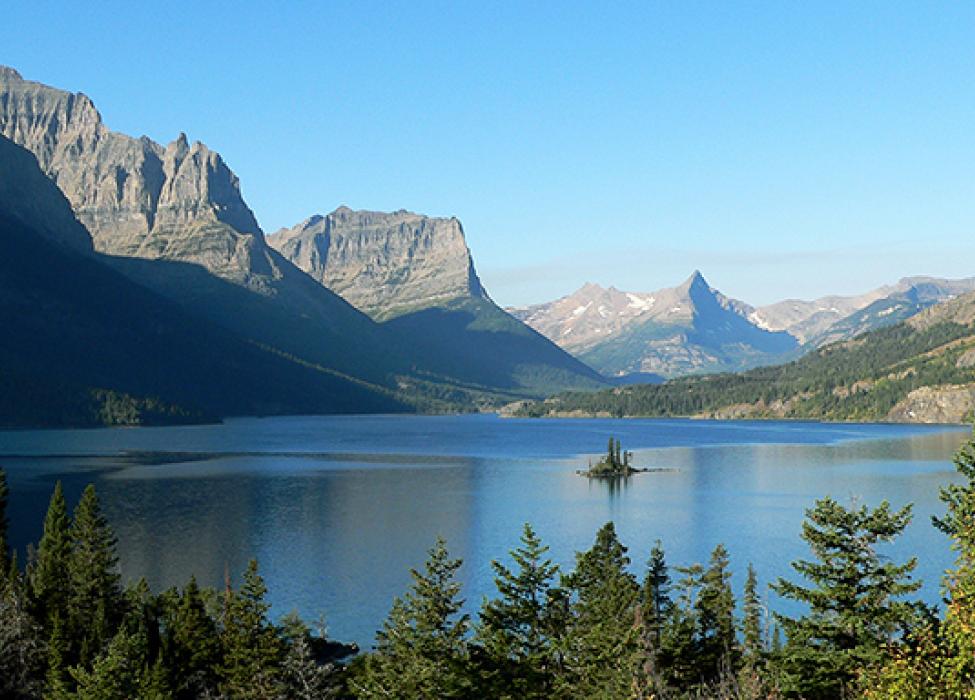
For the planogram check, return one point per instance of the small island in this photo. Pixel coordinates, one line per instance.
(615, 464)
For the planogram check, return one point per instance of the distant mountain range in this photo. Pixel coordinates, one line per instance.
(921, 370)
(171, 220)
(694, 329)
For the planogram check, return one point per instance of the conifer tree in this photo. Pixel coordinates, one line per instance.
(421, 650)
(4, 526)
(601, 644)
(852, 599)
(678, 658)
(48, 576)
(57, 682)
(751, 628)
(938, 660)
(302, 677)
(95, 590)
(191, 646)
(655, 609)
(252, 649)
(717, 644)
(120, 672)
(517, 629)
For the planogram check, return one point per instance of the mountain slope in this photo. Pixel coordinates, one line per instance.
(828, 319)
(84, 345)
(922, 370)
(688, 329)
(416, 274)
(172, 219)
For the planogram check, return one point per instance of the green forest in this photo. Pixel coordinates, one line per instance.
(608, 628)
(861, 379)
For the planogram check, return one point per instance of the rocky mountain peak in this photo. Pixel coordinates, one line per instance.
(135, 197)
(8, 73)
(383, 263)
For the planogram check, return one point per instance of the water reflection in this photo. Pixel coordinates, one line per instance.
(338, 509)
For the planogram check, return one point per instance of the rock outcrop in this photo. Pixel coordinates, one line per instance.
(384, 264)
(136, 197)
(936, 404)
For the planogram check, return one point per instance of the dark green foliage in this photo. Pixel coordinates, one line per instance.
(4, 524)
(192, 647)
(50, 570)
(852, 597)
(95, 598)
(753, 636)
(518, 631)
(717, 644)
(252, 650)
(601, 642)
(860, 379)
(421, 650)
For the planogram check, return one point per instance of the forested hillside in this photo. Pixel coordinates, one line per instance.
(919, 371)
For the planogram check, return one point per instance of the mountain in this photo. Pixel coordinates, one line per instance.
(828, 319)
(920, 370)
(85, 345)
(688, 329)
(172, 219)
(383, 264)
(415, 274)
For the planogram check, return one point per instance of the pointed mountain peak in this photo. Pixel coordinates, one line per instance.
(695, 282)
(8, 73)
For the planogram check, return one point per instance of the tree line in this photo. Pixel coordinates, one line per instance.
(69, 629)
(861, 379)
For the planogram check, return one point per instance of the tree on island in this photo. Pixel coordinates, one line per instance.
(615, 463)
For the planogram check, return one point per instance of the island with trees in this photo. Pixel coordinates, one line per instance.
(615, 464)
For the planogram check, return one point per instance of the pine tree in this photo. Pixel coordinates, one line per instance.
(57, 682)
(517, 629)
(678, 659)
(938, 660)
(121, 672)
(752, 634)
(421, 650)
(601, 644)
(717, 643)
(655, 609)
(4, 526)
(48, 576)
(252, 649)
(95, 589)
(853, 611)
(191, 646)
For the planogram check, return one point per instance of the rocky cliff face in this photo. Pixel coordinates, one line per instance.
(936, 404)
(384, 264)
(136, 197)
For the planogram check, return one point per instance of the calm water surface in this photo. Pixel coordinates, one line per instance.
(337, 509)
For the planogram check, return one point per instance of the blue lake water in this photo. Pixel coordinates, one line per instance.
(337, 509)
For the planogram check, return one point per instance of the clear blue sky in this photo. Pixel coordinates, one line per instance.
(784, 148)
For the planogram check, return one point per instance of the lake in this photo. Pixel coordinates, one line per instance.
(337, 509)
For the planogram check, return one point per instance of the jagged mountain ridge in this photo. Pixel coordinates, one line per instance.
(618, 331)
(832, 318)
(85, 345)
(384, 264)
(173, 220)
(691, 328)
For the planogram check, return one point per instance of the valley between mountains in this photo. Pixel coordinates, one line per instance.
(138, 288)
